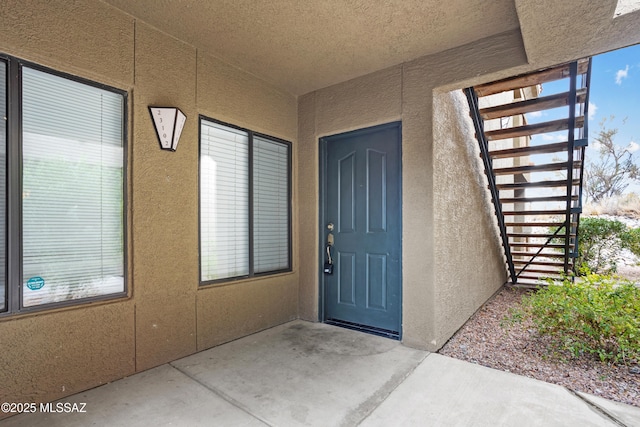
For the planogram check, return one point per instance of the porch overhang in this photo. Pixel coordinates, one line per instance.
(304, 46)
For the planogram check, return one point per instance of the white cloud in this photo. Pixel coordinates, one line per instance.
(633, 146)
(535, 114)
(622, 74)
(595, 145)
(592, 110)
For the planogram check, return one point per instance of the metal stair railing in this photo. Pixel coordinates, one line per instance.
(583, 137)
(573, 70)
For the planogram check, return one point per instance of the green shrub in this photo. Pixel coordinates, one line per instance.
(600, 242)
(596, 315)
(631, 240)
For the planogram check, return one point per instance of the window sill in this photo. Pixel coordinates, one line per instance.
(244, 280)
(59, 308)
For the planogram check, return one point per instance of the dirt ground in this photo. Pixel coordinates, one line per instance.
(519, 349)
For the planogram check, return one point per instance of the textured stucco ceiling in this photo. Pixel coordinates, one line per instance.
(302, 45)
(559, 31)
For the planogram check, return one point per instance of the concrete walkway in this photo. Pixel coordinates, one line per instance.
(313, 374)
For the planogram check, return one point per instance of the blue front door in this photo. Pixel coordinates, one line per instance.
(362, 200)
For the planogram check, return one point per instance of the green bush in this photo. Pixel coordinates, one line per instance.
(596, 315)
(631, 240)
(600, 242)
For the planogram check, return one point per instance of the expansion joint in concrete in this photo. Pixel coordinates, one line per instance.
(384, 392)
(223, 395)
(601, 411)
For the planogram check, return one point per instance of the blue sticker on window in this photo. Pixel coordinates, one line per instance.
(35, 283)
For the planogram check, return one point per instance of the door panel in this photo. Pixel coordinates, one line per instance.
(377, 281)
(346, 193)
(362, 197)
(376, 191)
(346, 278)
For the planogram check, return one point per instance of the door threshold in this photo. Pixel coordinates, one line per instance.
(394, 335)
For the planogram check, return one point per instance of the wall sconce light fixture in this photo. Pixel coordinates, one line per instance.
(168, 122)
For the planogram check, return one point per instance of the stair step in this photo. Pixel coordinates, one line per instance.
(546, 184)
(540, 270)
(544, 263)
(530, 254)
(536, 224)
(539, 245)
(507, 200)
(537, 212)
(536, 236)
(534, 129)
(531, 79)
(548, 167)
(531, 105)
(532, 277)
(556, 147)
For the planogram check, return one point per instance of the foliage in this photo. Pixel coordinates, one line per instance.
(614, 169)
(631, 240)
(600, 242)
(597, 315)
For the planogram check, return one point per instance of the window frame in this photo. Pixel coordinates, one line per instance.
(251, 259)
(14, 186)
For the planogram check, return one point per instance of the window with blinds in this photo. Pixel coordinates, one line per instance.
(224, 202)
(270, 205)
(3, 186)
(67, 193)
(72, 190)
(245, 214)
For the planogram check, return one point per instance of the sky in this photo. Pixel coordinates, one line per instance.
(615, 90)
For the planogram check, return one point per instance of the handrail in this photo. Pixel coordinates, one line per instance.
(488, 169)
(584, 134)
(573, 69)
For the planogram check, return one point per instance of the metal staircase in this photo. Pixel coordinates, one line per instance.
(535, 170)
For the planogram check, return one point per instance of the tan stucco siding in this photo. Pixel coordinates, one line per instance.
(79, 37)
(53, 354)
(228, 312)
(229, 94)
(469, 266)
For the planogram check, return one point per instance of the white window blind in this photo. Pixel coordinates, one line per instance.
(224, 202)
(72, 195)
(270, 205)
(3, 184)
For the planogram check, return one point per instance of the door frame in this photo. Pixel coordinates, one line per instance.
(322, 196)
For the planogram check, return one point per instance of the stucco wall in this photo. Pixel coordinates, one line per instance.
(469, 265)
(55, 353)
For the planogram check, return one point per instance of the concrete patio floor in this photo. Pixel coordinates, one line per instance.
(312, 374)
